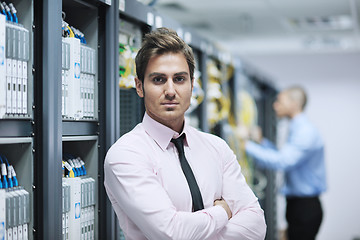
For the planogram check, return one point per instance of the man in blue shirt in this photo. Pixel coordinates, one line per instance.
(302, 160)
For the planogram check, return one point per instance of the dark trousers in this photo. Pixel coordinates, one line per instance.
(304, 216)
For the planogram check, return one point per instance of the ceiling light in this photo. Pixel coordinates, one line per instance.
(340, 22)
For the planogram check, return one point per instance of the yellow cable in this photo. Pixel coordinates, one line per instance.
(71, 32)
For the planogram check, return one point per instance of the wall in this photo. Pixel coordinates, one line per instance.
(333, 86)
(336, 112)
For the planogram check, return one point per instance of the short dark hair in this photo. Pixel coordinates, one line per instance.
(158, 42)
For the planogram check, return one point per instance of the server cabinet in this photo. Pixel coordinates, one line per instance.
(58, 134)
(267, 121)
(16, 118)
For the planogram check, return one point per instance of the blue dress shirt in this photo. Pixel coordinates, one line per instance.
(302, 158)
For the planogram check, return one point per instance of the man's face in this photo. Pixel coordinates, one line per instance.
(166, 89)
(283, 105)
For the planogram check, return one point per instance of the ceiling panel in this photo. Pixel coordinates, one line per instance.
(254, 24)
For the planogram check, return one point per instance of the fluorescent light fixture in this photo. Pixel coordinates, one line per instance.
(340, 22)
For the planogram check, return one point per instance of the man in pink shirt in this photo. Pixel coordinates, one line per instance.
(146, 183)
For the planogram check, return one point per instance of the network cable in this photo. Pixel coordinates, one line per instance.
(71, 33)
(69, 158)
(8, 12)
(69, 172)
(78, 166)
(76, 163)
(76, 171)
(71, 164)
(13, 12)
(9, 180)
(3, 174)
(13, 182)
(78, 34)
(82, 165)
(2, 9)
(66, 31)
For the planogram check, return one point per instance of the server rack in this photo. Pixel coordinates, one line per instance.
(56, 135)
(264, 180)
(16, 122)
(80, 135)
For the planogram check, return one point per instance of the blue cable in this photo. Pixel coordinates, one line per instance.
(76, 172)
(8, 13)
(84, 169)
(10, 183)
(77, 163)
(1, 185)
(2, 9)
(13, 182)
(13, 11)
(80, 167)
(83, 38)
(76, 167)
(67, 157)
(4, 180)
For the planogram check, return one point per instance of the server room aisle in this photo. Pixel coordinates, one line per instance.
(67, 94)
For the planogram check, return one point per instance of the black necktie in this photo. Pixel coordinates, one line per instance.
(194, 188)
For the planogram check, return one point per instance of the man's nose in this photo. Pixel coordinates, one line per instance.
(170, 87)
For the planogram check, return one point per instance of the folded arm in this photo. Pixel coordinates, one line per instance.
(133, 185)
(247, 220)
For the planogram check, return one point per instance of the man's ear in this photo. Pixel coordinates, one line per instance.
(139, 87)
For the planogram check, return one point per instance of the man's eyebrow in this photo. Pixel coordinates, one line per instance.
(181, 73)
(162, 74)
(156, 74)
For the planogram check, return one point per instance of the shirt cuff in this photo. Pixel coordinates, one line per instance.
(220, 216)
(250, 147)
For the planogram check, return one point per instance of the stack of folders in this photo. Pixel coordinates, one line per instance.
(17, 213)
(78, 79)
(79, 218)
(14, 57)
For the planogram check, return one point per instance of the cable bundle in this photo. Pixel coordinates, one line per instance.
(73, 166)
(8, 174)
(9, 11)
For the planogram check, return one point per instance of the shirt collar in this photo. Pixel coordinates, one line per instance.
(297, 119)
(162, 134)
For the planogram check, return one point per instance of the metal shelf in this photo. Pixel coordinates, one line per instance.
(15, 127)
(76, 128)
(16, 140)
(79, 138)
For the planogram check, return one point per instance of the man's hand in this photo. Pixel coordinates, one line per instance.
(256, 134)
(222, 203)
(242, 132)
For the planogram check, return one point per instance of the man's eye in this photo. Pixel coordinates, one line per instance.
(158, 80)
(180, 79)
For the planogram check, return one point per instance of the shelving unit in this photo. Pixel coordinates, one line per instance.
(86, 147)
(267, 121)
(18, 152)
(16, 126)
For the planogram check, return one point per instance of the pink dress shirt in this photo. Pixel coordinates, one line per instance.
(150, 195)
